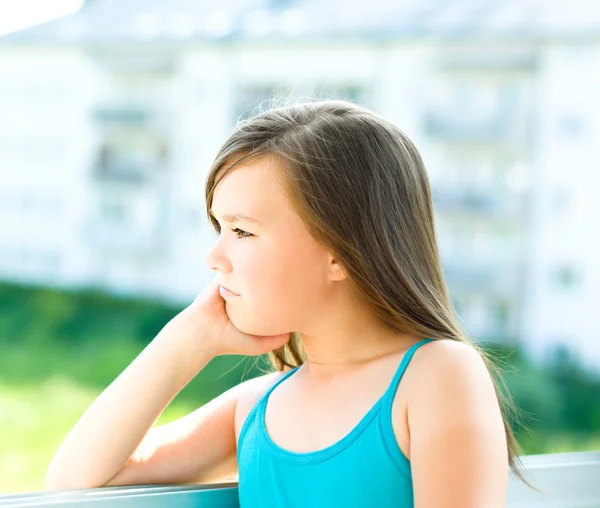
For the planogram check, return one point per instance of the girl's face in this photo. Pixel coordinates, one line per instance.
(280, 273)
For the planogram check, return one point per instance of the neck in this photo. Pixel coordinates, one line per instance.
(346, 355)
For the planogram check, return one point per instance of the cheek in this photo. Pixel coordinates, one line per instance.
(293, 276)
(281, 284)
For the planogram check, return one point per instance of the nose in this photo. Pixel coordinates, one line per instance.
(216, 259)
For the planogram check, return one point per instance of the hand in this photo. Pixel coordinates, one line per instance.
(206, 325)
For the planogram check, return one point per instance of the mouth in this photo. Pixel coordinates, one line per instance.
(226, 292)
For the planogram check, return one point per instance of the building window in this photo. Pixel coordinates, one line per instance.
(571, 126)
(113, 211)
(566, 277)
(561, 200)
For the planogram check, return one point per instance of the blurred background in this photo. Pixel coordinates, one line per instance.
(111, 112)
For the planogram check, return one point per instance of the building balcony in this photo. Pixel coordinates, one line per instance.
(455, 126)
(124, 240)
(501, 276)
(490, 202)
(134, 165)
(127, 114)
(134, 174)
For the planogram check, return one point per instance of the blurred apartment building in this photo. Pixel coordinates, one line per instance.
(110, 118)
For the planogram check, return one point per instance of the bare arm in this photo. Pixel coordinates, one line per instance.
(111, 429)
(113, 443)
(457, 442)
(200, 447)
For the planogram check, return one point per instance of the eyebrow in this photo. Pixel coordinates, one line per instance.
(235, 217)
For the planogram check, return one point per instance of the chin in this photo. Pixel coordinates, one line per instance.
(242, 324)
(250, 325)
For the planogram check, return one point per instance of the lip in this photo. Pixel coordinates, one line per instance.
(226, 292)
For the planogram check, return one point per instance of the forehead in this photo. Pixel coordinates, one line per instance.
(252, 187)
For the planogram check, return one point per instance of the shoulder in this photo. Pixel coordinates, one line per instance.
(451, 379)
(251, 390)
(450, 353)
(256, 386)
(457, 436)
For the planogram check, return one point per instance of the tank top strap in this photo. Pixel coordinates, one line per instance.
(259, 407)
(274, 385)
(391, 391)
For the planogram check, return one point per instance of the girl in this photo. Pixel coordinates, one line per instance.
(326, 260)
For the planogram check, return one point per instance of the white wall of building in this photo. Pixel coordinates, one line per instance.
(62, 226)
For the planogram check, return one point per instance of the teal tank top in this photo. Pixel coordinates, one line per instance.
(364, 468)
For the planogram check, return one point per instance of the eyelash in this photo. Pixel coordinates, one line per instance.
(244, 234)
(237, 231)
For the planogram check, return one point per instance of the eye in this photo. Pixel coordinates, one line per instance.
(241, 233)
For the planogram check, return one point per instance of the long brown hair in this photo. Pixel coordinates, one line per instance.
(362, 189)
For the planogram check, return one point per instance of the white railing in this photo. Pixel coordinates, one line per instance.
(573, 480)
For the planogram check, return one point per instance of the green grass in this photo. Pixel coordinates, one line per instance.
(44, 390)
(33, 422)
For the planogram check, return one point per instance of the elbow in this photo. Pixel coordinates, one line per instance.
(61, 481)
(50, 485)
(54, 483)
(53, 480)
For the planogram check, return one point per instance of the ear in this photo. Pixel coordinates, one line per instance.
(336, 271)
